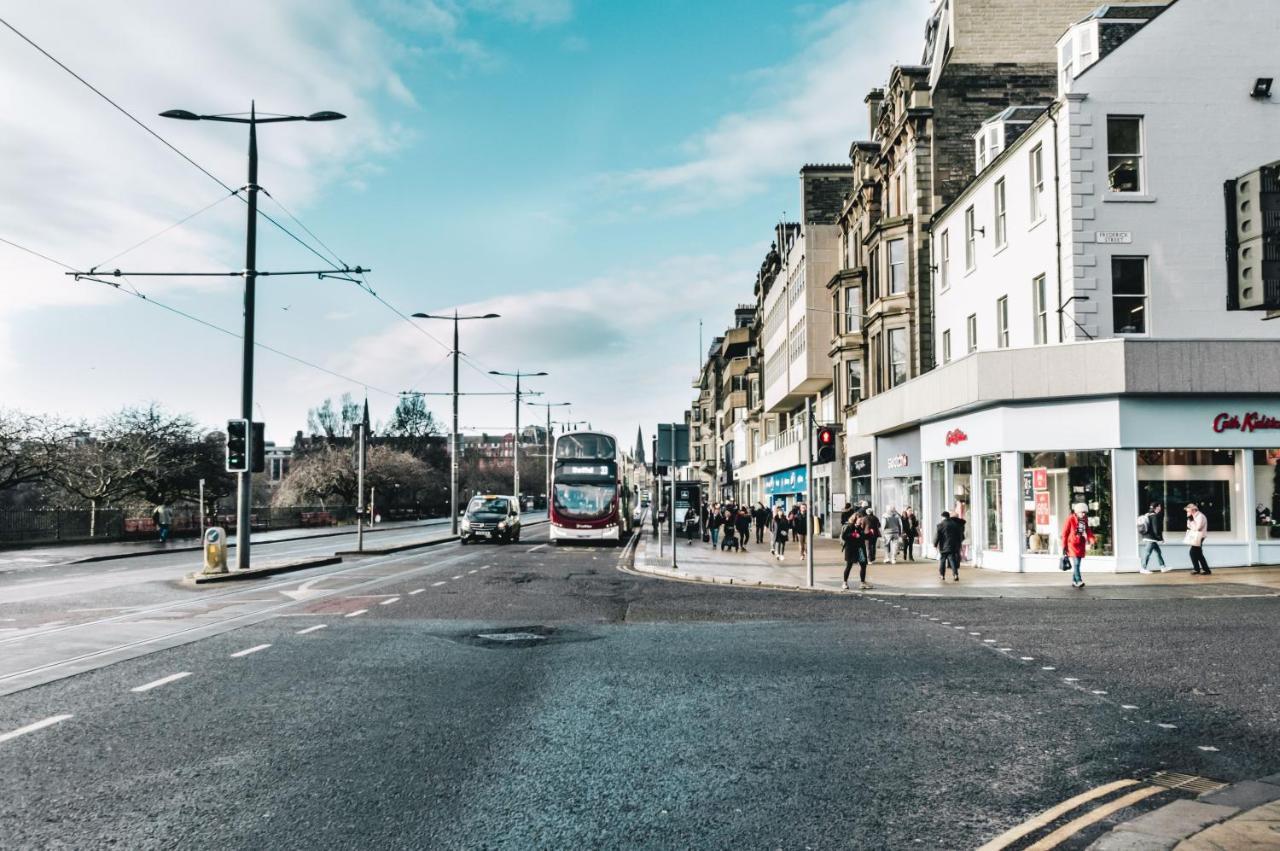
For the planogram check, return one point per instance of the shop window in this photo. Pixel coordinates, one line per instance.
(992, 501)
(1266, 489)
(1129, 294)
(937, 499)
(1124, 153)
(1176, 477)
(1052, 482)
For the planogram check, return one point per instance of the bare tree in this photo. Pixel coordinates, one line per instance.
(28, 447)
(331, 421)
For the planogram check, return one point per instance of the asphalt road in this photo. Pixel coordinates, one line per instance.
(632, 712)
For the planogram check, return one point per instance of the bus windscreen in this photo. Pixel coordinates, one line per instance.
(585, 446)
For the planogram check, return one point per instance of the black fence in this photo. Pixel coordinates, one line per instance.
(47, 526)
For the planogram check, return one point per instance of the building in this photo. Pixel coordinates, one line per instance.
(1086, 350)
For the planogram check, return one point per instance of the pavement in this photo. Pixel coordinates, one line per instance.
(537, 696)
(756, 567)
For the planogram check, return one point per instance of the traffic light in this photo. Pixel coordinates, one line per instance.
(1253, 240)
(826, 445)
(237, 446)
(259, 447)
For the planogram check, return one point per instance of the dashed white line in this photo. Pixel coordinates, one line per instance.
(1004, 649)
(957, 627)
(469, 572)
(975, 634)
(441, 582)
(389, 601)
(31, 728)
(416, 591)
(357, 613)
(312, 628)
(160, 682)
(1071, 679)
(1127, 706)
(988, 641)
(1167, 726)
(1208, 748)
(1047, 668)
(1097, 691)
(1027, 658)
(248, 650)
(459, 576)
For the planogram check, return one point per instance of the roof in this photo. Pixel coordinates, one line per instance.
(1131, 11)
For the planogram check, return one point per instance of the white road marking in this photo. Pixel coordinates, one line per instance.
(1208, 748)
(485, 566)
(389, 601)
(312, 628)
(957, 627)
(472, 571)
(988, 641)
(441, 582)
(1071, 679)
(357, 613)
(31, 728)
(1004, 649)
(975, 633)
(1127, 706)
(1027, 658)
(160, 682)
(1098, 691)
(459, 576)
(1047, 668)
(1167, 726)
(249, 650)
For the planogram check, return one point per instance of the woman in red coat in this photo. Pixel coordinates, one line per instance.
(1077, 537)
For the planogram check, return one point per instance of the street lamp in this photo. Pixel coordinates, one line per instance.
(515, 446)
(453, 434)
(244, 488)
(549, 406)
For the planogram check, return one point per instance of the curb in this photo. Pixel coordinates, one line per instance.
(1242, 815)
(254, 572)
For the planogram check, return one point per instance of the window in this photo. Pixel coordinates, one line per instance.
(1041, 310)
(1059, 480)
(853, 373)
(969, 244)
(897, 356)
(1000, 214)
(971, 333)
(1065, 55)
(852, 310)
(1036, 166)
(1129, 295)
(981, 154)
(1206, 477)
(1266, 513)
(946, 346)
(876, 361)
(897, 266)
(944, 262)
(1124, 153)
(1002, 322)
(992, 501)
(873, 274)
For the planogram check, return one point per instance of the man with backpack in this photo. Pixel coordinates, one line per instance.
(1151, 532)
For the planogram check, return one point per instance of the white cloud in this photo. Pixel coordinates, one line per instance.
(811, 107)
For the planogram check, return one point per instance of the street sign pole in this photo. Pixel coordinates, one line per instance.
(360, 489)
(808, 488)
(672, 510)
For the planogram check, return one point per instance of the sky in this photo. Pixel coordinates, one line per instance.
(603, 175)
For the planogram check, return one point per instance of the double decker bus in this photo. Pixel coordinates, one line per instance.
(591, 490)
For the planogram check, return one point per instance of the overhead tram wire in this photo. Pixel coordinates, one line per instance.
(161, 233)
(135, 293)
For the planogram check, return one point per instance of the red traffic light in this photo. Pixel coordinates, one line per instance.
(826, 435)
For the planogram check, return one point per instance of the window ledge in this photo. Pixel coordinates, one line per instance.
(1037, 223)
(1127, 198)
(1001, 250)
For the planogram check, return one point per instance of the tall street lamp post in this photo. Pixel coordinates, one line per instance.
(453, 433)
(549, 406)
(244, 489)
(515, 446)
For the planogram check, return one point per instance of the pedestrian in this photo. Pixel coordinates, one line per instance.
(163, 515)
(800, 527)
(851, 544)
(715, 522)
(871, 533)
(948, 538)
(1197, 531)
(762, 517)
(742, 521)
(730, 538)
(1151, 528)
(1076, 540)
(910, 529)
(892, 534)
(781, 528)
(846, 515)
(690, 525)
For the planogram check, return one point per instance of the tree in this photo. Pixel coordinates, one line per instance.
(411, 418)
(28, 447)
(334, 422)
(330, 473)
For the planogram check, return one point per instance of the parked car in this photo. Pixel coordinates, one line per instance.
(492, 517)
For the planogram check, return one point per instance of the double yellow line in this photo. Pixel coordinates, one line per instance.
(1071, 828)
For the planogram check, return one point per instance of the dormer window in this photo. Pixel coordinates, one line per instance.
(988, 142)
(1077, 50)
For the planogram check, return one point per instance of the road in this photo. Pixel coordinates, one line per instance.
(535, 697)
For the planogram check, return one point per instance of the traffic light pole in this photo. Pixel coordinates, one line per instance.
(808, 488)
(244, 483)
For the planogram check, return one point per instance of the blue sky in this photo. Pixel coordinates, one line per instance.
(603, 174)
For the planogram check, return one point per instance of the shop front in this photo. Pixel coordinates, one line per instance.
(1014, 474)
(898, 472)
(785, 487)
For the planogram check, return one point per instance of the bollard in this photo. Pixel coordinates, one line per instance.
(215, 550)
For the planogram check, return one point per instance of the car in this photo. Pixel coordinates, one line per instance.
(493, 517)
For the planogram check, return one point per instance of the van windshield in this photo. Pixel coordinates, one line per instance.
(489, 505)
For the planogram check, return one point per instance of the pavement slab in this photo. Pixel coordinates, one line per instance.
(1245, 795)
(1178, 820)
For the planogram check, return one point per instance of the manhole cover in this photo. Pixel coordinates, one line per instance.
(515, 637)
(510, 636)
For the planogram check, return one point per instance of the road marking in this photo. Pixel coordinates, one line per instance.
(1052, 814)
(1071, 679)
(487, 566)
(1027, 658)
(389, 601)
(441, 582)
(975, 633)
(357, 613)
(957, 627)
(416, 591)
(472, 571)
(31, 728)
(160, 682)
(459, 576)
(1167, 726)
(247, 651)
(1074, 826)
(988, 641)
(1047, 668)
(1208, 748)
(1098, 691)
(312, 628)
(1004, 649)
(1127, 706)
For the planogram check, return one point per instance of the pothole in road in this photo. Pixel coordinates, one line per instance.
(516, 637)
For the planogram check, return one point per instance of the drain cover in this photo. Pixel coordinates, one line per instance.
(510, 636)
(518, 637)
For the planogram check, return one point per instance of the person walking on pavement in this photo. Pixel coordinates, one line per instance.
(1077, 537)
(851, 544)
(800, 527)
(910, 528)
(761, 516)
(871, 533)
(781, 527)
(715, 522)
(742, 522)
(1151, 528)
(1197, 531)
(892, 534)
(846, 515)
(163, 515)
(948, 538)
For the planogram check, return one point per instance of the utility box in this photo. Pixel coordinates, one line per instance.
(1253, 240)
(215, 550)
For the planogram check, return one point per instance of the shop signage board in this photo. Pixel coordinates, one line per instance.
(860, 465)
(790, 481)
(1044, 521)
(1251, 421)
(956, 436)
(1040, 478)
